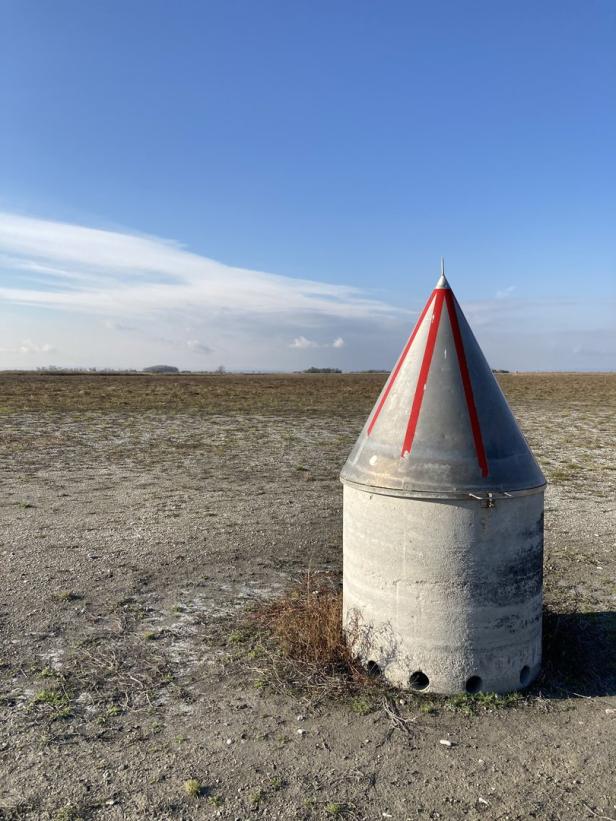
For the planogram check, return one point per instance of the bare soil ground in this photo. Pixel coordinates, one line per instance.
(139, 516)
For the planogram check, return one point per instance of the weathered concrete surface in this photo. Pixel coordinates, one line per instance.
(449, 589)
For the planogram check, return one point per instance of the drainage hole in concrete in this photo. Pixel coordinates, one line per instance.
(418, 680)
(525, 675)
(373, 669)
(473, 684)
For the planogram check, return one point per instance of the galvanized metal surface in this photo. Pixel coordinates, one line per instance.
(443, 458)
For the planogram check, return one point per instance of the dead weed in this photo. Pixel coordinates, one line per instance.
(299, 640)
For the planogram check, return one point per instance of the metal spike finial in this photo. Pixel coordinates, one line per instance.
(442, 282)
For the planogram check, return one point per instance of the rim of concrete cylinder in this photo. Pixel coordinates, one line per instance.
(445, 494)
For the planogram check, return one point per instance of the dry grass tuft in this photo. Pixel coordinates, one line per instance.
(123, 675)
(299, 636)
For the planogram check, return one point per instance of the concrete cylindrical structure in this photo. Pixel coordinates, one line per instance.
(443, 522)
(451, 589)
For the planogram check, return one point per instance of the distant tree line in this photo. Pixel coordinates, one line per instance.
(60, 370)
(161, 369)
(322, 370)
(170, 369)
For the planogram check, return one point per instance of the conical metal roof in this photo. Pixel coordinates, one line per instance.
(441, 426)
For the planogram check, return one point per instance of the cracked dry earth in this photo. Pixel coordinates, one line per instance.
(140, 516)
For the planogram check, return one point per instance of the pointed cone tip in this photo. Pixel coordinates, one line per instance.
(442, 282)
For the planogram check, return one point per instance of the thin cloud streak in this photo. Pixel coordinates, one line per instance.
(108, 272)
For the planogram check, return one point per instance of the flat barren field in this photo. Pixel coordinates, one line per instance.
(143, 518)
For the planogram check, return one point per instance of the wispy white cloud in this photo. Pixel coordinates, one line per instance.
(506, 292)
(302, 343)
(27, 346)
(107, 272)
(154, 298)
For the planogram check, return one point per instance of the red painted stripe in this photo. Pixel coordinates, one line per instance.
(394, 373)
(466, 382)
(423, 372)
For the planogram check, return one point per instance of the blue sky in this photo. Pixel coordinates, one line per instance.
(271, 184)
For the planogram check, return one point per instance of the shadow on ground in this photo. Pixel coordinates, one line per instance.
(579, 654)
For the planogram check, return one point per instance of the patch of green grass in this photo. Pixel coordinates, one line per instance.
(336, 809)
(428, 707)
(461, 703)
(276, 784)
(65, 712)
(216, 800)
(257, 797)
(469, 704)
(49, 672)
(67, 813)
(151, 635)
(193, 788)
(51, 697)
(113, 711)
(493, 701)
(362, 706)
(66, 596)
